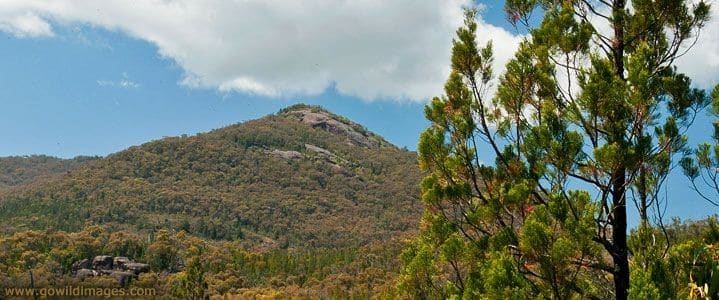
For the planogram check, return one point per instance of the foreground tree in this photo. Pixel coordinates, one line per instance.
(702, 166)
(528, 191)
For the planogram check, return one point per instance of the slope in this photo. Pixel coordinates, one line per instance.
(301, 177)
(19, 170)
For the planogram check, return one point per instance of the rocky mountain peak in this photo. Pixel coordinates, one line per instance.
(318, 117)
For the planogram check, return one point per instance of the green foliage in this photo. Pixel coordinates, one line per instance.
(202, 267)
(232, 184)
(190, 283)
(218, 213)
(532, 185)
(163, 254)
(642, 286)
(702, 166)
(18, 170)
(678, 261)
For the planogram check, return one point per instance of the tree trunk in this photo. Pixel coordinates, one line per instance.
(620, 254)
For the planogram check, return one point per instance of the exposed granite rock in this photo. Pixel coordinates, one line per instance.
(84, 273)
(319, 150)
(102, 262)
(121, 268)
(286, 154)
(330, 157)
(123, 278)
(81, 264)
(120, 262)
(137, 268)
(324, 120)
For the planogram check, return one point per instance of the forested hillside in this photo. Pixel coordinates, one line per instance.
(564, 150)
(302, 202)
(301, 177)
(18, 170)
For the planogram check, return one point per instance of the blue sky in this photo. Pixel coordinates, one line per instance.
(76, 82)
(65, 97)
(87, 90)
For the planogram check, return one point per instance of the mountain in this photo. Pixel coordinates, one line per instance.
(301, 177)
(19, 170)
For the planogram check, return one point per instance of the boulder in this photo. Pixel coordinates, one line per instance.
(121, 268)
(84, 273)
(81, 264)
(137, 268)
(120, 262)
(319, 150)
(102, 262)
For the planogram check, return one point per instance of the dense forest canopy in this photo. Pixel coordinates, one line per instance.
(302, 202)
(301, 177)
(18, 170)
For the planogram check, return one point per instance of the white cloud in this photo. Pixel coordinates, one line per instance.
(373, 49)
(504, 45)
(125, 82)
(25, 24)
(701, 63)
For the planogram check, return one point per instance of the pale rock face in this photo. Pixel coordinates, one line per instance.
(328, 156)
(287, 154)
(323, 120)
(319, 150)
(123, 278)
(81, 264)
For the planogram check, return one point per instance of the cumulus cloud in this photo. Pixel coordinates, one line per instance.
(26, 24)
(701, 63)
(371, 49)
(504, 44)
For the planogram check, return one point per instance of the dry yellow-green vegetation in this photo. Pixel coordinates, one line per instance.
(226, 268)
(276, 181)
(18, 170)
(303, 202)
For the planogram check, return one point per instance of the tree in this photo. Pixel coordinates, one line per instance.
(190, 283)
(704, 162)
(527, 192)
(163, 253)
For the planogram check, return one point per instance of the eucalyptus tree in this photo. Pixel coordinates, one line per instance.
(529, 187)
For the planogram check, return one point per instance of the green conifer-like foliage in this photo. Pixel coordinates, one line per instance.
(702, 165)
(529, 188)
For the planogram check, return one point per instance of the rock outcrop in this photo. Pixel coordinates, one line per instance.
(286, 154)
(326, 121)
(121, 268)
(102, 262)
